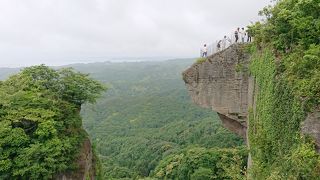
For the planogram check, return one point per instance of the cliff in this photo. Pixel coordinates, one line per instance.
(260, 105)
(85, 162)
(41, 128)
(311, 127)
(221, 83)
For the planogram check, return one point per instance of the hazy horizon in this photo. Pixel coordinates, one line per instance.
(57, 32)
(108, 60)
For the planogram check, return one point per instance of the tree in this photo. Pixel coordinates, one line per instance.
(40, 125)
(202, 173)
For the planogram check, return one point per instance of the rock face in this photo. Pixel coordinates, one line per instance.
(221, 83)
(85, 162)
(311, 127)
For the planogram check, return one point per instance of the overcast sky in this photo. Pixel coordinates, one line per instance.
(58, 32)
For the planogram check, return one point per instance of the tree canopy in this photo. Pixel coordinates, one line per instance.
(40, 125)
(289, 24)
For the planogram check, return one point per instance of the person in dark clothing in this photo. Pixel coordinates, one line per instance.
(249, 35)
(219, 46)
(236, 34)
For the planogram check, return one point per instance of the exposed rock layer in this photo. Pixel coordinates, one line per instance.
(85, 162)
(311, 127)
(221, 83)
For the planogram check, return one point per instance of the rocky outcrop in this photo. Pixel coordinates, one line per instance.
(85, 162)
(311, 127)
(221, 83)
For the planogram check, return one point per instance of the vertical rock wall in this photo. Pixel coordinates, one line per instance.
(221, 83)
(311, 127)
(85, 162)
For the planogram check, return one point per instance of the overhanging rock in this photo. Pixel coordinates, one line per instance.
(221, 83)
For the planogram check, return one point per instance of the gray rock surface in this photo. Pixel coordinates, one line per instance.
(85, 162)
(221, 83)
(311, 127)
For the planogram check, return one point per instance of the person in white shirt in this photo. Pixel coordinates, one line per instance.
(242, 35)
(225, 42)
(204, 51)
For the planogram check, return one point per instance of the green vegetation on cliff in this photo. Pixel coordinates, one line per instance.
(278, 150)
(40, 124)
(286, 67)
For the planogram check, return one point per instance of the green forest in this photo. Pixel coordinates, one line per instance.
(143, 125)
(147, 118)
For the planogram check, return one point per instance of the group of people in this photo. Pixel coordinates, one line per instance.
(245, 36)
(222, 44)
(240, 36)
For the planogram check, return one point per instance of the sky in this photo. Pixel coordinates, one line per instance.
(58, 32)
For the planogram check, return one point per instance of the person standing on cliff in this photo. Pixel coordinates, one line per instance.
(219, 45)
(248, 35)
(242, 34)
(236, 34)
(204, 51)
(225, 42)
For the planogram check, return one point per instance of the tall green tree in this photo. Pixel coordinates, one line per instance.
(40, 125)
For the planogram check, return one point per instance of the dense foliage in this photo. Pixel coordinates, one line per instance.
(288, 25)
(286, 67)
(40, 124)
(146, 116)
(278, 149)
(201, 164)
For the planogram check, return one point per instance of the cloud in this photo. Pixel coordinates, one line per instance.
(62, 32)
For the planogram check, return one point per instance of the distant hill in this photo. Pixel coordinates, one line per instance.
(6, 72)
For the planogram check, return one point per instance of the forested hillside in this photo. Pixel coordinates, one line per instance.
(146, 119)
(146, 127)
(147, 116)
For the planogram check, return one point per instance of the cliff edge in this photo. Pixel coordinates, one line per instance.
(221, 83)
(278, 121)
(85, 162)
